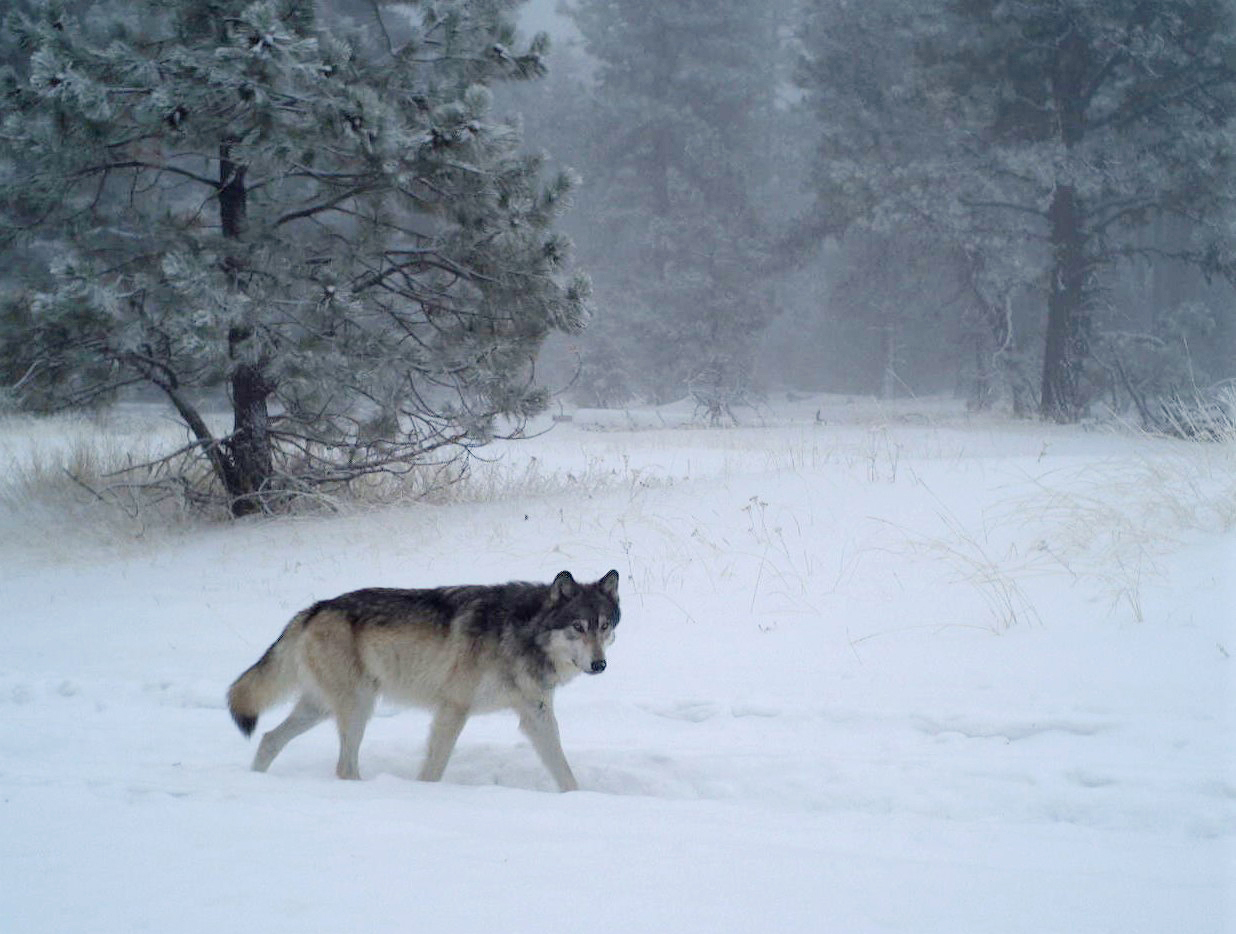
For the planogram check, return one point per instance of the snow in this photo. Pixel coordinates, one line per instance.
(879, 669)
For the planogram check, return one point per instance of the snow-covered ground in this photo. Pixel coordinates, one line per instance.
(878, 670)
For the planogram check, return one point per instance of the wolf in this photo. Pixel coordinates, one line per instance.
(456, 650)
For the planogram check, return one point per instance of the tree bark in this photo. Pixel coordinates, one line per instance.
(249, 448)
(890, 350)
(1063, 396)
(232, 195)
(250, 452)
(981, 392)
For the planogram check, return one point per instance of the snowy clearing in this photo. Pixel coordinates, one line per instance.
(878, 670)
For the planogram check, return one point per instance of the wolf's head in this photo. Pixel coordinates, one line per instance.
(579, 622)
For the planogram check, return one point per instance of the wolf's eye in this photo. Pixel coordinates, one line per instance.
(605, 624)
(579, 627)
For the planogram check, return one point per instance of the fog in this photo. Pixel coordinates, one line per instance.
(284, 261)
(545, 16)
(1026, 206)
(809, 196)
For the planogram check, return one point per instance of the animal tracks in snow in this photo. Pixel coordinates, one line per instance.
(1013, 765)
(695, 711)
(1010, 731)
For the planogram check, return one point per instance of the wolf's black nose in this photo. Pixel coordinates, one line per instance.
(598, 666)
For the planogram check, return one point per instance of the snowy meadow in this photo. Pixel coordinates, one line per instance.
(880, 668)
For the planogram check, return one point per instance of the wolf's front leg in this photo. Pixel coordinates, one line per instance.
(448, 721)
(539, 724)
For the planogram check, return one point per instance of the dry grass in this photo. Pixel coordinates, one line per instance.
(1104, 524)
(1110, 524)
(89, 474)
(75, 471)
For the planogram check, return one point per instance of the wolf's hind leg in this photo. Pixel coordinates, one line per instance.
(448, 721)
(304, 716)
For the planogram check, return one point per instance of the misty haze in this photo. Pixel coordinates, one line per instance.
(886, 349)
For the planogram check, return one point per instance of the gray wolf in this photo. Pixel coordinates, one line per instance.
(455, 650)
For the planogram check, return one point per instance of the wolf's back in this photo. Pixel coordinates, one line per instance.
(268, 680)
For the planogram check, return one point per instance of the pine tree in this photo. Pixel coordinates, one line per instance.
(1054, 130)
(677, 167)
(330, 224)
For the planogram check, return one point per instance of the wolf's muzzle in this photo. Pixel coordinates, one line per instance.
(598, 666)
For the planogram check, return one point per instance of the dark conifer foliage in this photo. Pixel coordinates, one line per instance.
(328, 222)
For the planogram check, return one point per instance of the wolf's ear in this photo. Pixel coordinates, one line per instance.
(609, 585)
(563, 588)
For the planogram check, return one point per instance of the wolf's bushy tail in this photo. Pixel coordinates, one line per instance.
(268, 680)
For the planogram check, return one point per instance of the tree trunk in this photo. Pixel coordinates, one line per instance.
(1063, 397)
(250, 460)
(1068, 315)
(890, 350)
(232, 195)
(249, 448)
(982, 390)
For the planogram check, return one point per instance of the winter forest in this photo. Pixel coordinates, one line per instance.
(885, 350)
(1025, 204)
(381, 234)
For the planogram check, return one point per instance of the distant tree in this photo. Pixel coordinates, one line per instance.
(885, 181)
(1049, 130)
(677, 160)
(329, 224)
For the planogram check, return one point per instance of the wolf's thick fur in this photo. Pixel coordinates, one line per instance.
(456, 650)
